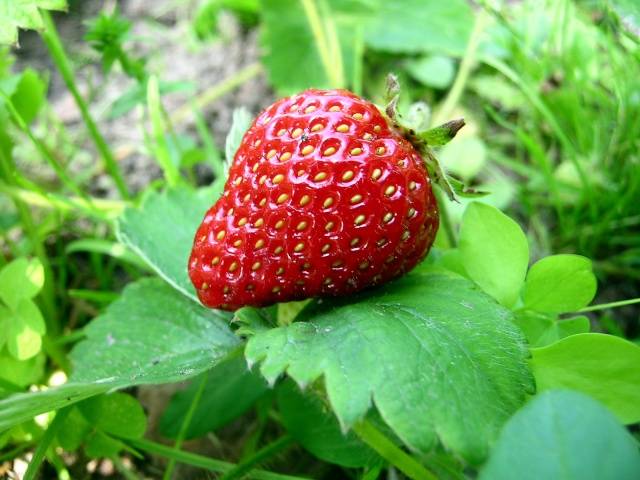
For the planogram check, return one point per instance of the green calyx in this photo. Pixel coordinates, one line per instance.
(424, 140)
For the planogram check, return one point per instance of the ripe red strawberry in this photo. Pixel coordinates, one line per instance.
(324, 197)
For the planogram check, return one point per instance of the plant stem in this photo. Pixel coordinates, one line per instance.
(45, 441)
(453, 97)
(216, 91)
(390, 452)
(185, 424)
(54, 45)
(260, 456)
(204, 462)
(604, 306)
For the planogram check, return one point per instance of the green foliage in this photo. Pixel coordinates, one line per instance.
(26, 92)
(603, 366)
(21, 323)
(320, 39)
(142, 229)
(29, 94)
(137, 95)
(231, 389)
(25, 14)
(151, 334)
(308, 43)
(99, 422)
(106, 34)
(435, 71)
(560, 283)
(313, 425)
(415, 26)
(21, 373)
(427, 336)
(74, 430)
(543, 329)
(574, 133)
(116, 413)
(494, 252)
(25, 328)
(21, 279)
(554, 285)
(563, 434)
(206, 18)
(21, 407)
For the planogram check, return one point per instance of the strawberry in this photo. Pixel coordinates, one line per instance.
(324, 197)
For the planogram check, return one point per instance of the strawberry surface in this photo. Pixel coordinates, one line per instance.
(323, 198)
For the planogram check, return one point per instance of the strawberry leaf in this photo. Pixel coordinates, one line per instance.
(117, 414)
(437, 357)
(161, 232)
(25, 14)
(559, 284)
(542, 329)
(151, 334)
(495, 252)
(563, 434)
(97, 420)
(602, 366)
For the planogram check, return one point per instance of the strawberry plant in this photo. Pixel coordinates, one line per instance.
(345, 290)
